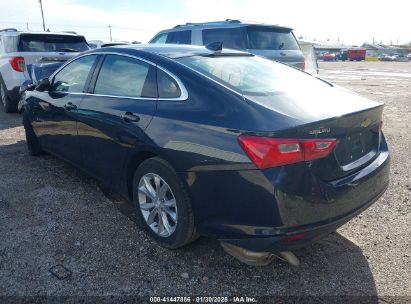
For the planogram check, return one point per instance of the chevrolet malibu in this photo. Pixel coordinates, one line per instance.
(208, 141)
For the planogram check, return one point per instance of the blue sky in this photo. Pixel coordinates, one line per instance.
(354, 22)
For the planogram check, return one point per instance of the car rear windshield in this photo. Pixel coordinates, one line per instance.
(52, 43)
(263, 38)
(251, 75)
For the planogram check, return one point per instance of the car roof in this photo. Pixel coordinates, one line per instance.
(173, 50)
(228, 23)
(14, 32)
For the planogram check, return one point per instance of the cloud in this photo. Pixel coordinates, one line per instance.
(92, 22)
(352, 21)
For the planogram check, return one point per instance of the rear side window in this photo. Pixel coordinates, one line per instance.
(260, 38)
(73, 77)
(10, 44)
(232, 38)
(52, 43)
(162, 38)
(180, 37)
(167, 86)
(125, 76)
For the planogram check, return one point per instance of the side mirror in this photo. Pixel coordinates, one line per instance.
(43, 85)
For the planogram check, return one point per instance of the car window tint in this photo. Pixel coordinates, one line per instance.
(162, 38)
(232, 38)
(52, 43)
(180, 37)
(122, 76)
(72, 78)
(271, 39)
(167, 86)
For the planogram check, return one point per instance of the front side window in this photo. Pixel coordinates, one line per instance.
(162, 38)
(232, 38)
(125, 76)
(180, 37)
(73, 77)
(167, 86)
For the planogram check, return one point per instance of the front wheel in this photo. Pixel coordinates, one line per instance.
(163, 206)
(31, 137)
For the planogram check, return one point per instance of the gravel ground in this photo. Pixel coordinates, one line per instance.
(60, 235)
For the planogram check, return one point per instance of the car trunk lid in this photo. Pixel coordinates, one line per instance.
(330, 113)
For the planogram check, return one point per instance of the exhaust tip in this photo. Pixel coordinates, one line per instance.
(248, 257)
(253, 258)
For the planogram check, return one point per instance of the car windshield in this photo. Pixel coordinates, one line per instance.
(52, 43)
(271, 39)
(252, 75)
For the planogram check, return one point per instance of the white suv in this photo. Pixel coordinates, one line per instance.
(20, 49)
(271, 41)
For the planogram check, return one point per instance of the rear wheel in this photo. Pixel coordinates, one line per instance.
(31, 138)
(162, 204)
(8, 105)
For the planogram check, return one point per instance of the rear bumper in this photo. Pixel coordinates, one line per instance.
(309, 233)
(260, 210)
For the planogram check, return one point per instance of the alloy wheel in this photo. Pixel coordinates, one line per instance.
(157, 204)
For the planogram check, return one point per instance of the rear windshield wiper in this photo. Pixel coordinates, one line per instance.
(68, 50)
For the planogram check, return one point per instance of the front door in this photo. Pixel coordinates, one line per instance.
(113, 117)
(55, 110)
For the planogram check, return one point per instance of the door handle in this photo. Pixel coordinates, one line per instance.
(130, 117)
(70, 106)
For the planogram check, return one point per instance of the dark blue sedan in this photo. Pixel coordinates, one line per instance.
(220, 143)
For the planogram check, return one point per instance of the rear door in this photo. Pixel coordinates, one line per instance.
(120, 105)
(55, 111)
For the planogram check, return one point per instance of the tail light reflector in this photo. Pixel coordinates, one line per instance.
(17, 63)
(266, 152)
(293, 238)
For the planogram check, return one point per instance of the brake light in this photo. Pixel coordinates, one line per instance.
(266, 152)
(17, 63)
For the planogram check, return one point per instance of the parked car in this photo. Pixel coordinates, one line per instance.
(386, 57)
(19, 49)
(329, 57)
(220, 143)
(401, 58)
(270, 41)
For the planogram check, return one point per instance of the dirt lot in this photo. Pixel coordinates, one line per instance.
(55, 219)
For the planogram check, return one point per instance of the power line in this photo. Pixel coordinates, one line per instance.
(80, 26)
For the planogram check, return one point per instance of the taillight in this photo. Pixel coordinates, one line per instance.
(266, 152)
(17, 63)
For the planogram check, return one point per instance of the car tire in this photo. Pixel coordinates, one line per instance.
(8, 105)
(183, 231)
(31, 138)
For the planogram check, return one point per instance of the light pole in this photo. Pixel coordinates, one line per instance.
(42, 14)
(111, 38)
